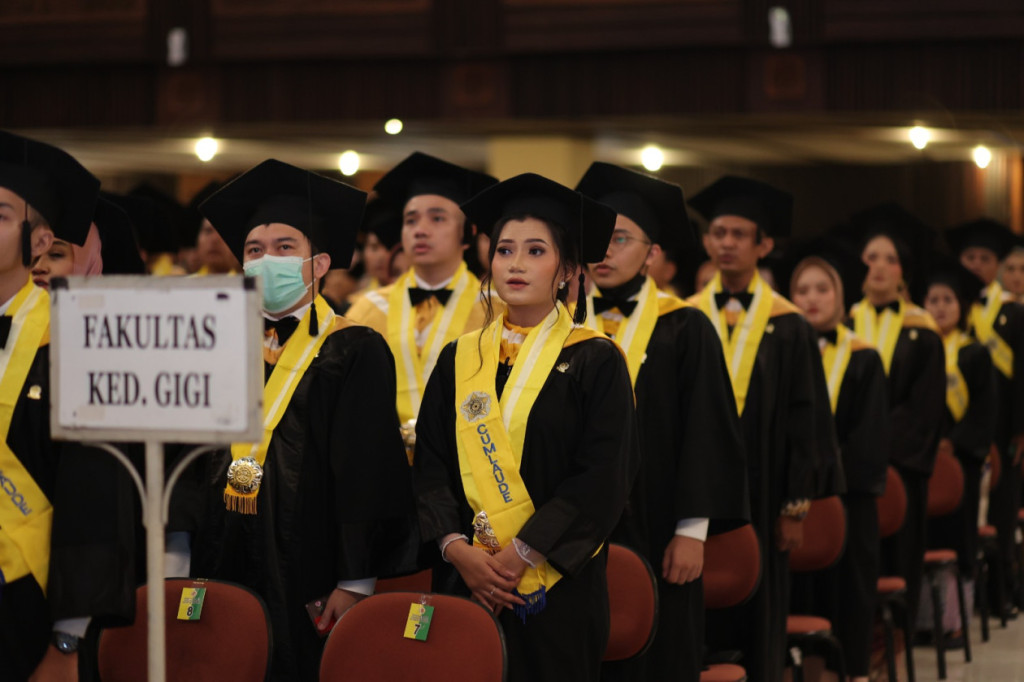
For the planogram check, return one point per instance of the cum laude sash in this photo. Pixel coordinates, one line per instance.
(490, 433)
(741, 344)
(634, 332)
(246, 471)
(957, 396)
(836, 358)
(881, 331)
(25, 513)
(982, 321)
(413, 366)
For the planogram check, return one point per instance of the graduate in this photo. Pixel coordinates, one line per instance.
(551, 403)
(1011, 273)
(323, 505)
(968, 429)
(212, 254)
(65, 520)
(779, 386)
(998, 323)
(858, 397)
(438, 298)
(911, 349)
(692, 478)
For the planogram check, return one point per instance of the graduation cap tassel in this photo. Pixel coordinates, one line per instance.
(314, 323)
(581, 302)
(26, 242)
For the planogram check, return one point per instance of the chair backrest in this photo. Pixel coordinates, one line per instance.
(632, 602)
(732, 567)
(415, 582)
(892, 506)
(824, 536)
(368, 642)
(230, 641)
(946, 485)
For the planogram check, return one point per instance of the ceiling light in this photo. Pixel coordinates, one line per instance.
(982, 156)
(393, 126)
(652, 157)
(919, 137)
(206, 148)
(348, 162)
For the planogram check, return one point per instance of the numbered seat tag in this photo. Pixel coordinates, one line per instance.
(191, 606)
(418, 624)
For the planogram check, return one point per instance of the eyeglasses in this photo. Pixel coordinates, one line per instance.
(619, 241)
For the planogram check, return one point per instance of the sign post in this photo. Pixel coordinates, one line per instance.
(156, 360)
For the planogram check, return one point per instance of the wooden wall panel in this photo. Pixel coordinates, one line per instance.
(76, 31)
(911, 20)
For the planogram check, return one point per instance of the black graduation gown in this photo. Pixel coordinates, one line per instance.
(91, 543)
(972, 439)
(791, 455)
(579, 461)
(917, 401)
(692, 465)
(335, 502)
(846, 593)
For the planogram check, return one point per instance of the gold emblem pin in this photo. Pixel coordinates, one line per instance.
(1002, 319)
(769, 328)
(913, 335)
(476, 406)
(562, 366)
(35, 392)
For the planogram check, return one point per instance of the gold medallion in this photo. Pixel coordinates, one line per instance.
(476, 406)
(35, 392)
(244, 475)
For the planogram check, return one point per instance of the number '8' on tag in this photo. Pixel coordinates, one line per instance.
(418, 624)
(191, 605)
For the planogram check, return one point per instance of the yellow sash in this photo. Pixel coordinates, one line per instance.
(741, 344)
(982, 322)
(296, 358)
(880, 333)
(634, 333)
(412, 366)
(25, 513)
(490, 433)
(836, 358)
(957, 397)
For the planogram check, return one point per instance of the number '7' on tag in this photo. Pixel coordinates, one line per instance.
(418, 624)
(191, 605)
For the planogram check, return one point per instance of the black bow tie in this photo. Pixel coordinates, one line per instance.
(284, 327)
(417, 295)
(891, 305)
(743, 298)
(831, 336)
(602, 303)
(5, 329)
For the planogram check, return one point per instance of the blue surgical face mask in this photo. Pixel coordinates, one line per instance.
(283, 285)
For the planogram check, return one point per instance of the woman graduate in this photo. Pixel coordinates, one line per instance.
(908, 341)
(968, 430)
(526, 440)
(858, 394)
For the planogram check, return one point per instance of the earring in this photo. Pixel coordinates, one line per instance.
(561, 285)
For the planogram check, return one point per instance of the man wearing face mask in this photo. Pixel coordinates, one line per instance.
(323, 505)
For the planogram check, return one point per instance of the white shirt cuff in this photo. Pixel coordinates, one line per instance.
(693, 528)
(366, 586)
(72, 626)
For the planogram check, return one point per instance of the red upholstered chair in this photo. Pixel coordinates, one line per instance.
(732, 572)
(632, 602)
(368, 642)
(945, 492)
(414, 582)
(892, 590)
(823, 545)
(230, 641)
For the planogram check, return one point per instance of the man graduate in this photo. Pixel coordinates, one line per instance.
(773, 360)
(438, 299)
(323, 505)
(692, 469)
(998, 323)
(65, 523)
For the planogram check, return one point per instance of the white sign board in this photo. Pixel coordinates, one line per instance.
(173, 359)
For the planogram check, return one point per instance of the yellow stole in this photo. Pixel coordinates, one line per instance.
(836, 358)
(957, 397)
(490, 433)
(880, 332)
(634, 332)
(741, 344)
(982, 321)
(412, 366)
(25, 513)
(164, 266)
(295, 359)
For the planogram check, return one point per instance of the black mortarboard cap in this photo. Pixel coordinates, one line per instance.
(984, 232)
(842, 256)
(119, 250)
(189, 233)
(942, 269)
(384, 219)
(908, 233)
(152, 226)
(170, 218)
(52, 182)
(327, 211)
(658, 207)
(759, 202)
